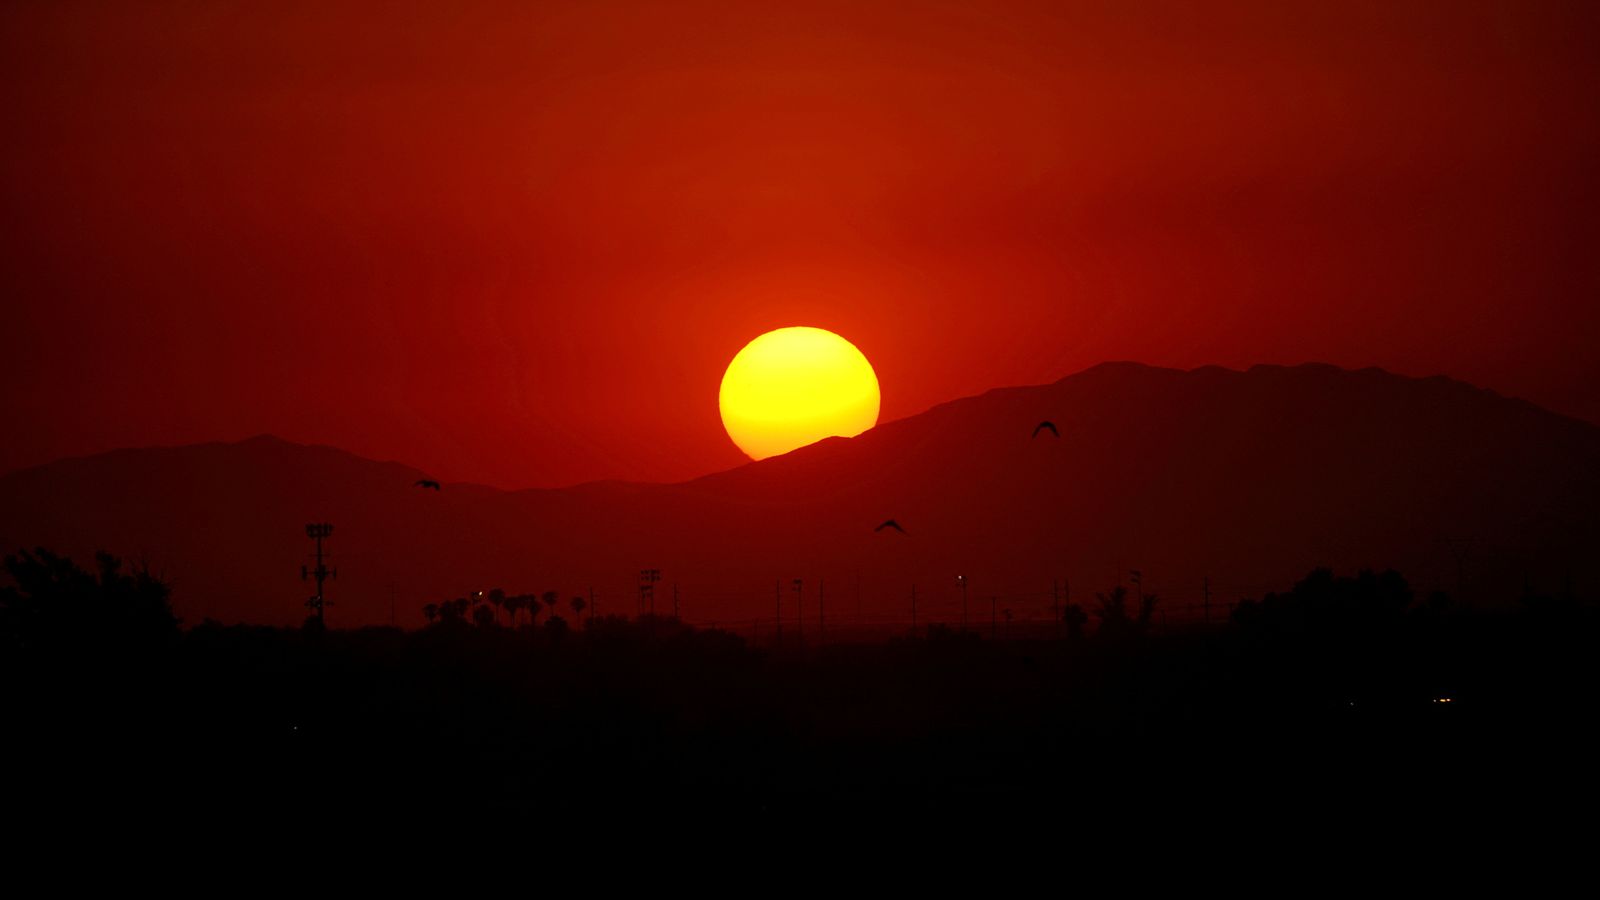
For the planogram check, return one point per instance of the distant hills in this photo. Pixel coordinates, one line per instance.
(1247, 479)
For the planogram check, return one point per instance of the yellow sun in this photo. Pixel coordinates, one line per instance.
(795, 386)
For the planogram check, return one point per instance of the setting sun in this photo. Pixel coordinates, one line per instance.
(795, 386)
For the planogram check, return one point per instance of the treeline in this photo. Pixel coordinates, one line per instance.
(486, 608)
(1340, 683)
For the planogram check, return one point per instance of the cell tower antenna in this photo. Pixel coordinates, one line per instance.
(319, 531)
(647, 589)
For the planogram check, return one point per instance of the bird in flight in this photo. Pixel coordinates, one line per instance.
(427, 483)
(890, 523)
(1043, 425)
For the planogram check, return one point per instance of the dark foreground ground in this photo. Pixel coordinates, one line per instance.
(1304, 708)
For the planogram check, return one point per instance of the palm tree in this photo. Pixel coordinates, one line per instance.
(551, 598)
(1147, 605)
(483, 617)
(430, 611)
(1115, 620)
(578, 603)
(530, 602)
(498, 598)
(513, 604)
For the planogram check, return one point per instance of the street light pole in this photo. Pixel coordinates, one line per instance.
(962, 580)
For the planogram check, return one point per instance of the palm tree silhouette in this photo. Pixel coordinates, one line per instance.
(578, 603)
(498, 598)
(551, 598)
(430, 611)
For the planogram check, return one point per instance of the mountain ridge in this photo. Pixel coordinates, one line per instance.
(1244, 478)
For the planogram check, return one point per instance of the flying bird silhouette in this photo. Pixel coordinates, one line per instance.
(890, 523)
(427, 483)
(1043, 425)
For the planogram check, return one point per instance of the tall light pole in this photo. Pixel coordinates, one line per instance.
(1055, 606)
(962, 580)
(822, 608)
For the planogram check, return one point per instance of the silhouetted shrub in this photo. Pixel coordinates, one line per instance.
(1329, 606)
(1115, 621)
(55, 606)
(1073, 616)
(556, 627)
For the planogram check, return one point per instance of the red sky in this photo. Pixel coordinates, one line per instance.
(517, 243)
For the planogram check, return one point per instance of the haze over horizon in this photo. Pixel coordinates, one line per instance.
(1274, 470)
(517, 246)
(745, 461)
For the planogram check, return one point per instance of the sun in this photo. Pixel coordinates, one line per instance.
(795, 386)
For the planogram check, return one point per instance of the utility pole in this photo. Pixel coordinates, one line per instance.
(318, 531)
(1460, 548)
(822, 609)
(858, 599)
(799, 611)
(1055, 605)
(962, 580)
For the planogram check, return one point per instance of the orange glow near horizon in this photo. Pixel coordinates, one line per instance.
(503, 241)
(795, 386)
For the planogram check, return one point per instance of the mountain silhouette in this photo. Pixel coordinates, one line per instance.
(1246, 478)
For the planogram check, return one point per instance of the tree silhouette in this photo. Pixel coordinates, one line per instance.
(578, 603)
(551, 598)
(1115, 620)
(530, 602)
(497, 598)
(430, 611)
(556, 627)
(1112, 608)
(449, 610)
(1331, 606)
(1073, 616)
(1147, 606)
(56, 605)
(483, 617)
